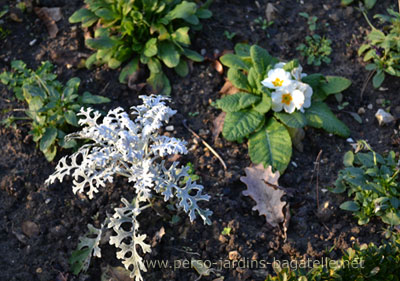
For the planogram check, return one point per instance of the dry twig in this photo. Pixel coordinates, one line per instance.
(316, 169)
(184, 122)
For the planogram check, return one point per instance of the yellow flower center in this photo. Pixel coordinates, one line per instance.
(286, 99)
(278, 82)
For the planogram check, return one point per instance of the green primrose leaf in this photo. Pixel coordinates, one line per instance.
(234, 61)
(335, 84)
(261, 59)
(238, 79)
(271, 146)
(236, 102)
(319, 115)
(293, 120)
(264, 105)
(240, 124)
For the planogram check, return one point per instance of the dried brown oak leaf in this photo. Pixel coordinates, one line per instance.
(228, 89)
(49, 16)
(268, 199)
(218, 125)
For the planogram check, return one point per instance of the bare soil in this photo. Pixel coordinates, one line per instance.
(61, 217)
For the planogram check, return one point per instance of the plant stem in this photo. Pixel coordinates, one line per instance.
(367, 19)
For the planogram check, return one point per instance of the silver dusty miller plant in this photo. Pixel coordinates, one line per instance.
(132, 149)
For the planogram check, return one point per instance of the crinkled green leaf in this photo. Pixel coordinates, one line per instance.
(319, 115)
(234, 61)
(236, 102)
(335, 84)
(293, 120)
(271, 146)
(238, 79)
(261, 59)
(240, 124)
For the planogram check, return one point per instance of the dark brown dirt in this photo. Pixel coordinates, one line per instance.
(61, 217)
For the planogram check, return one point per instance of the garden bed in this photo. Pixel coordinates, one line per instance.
(60, 217)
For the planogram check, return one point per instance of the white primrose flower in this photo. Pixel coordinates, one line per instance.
(307, 91)
(133, 149)
(297, 73)
(288, 98)
(277, 78)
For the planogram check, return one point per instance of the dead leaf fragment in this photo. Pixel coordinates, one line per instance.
(30, 228)
(117, 273)
(49, 16)
(218, 67)
(228, 89)
(218, 125)
(270, 12)
(286, 222)
(268, 199)
(62, 276)
(16, 14)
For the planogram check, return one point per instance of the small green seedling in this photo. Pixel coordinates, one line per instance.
(52, 107)
(382, 49)
(3, 31)
(142, 32)
(372, 180)
(369, 4)
(229, 35)
(316, 50)
(360, 262)
(311, 21)
(226, 231)
(263, 23)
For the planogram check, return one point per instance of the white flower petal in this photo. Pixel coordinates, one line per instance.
(280, 65)
(289, 108)
(277, 78)
(298, 99)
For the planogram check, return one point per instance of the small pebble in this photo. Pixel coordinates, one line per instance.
(169, 128)
(370, 106)
(383, 117)
(350, 140)
(233, 255)
(32, 42)
(294, 164)
(48, 200)
(361, 110)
